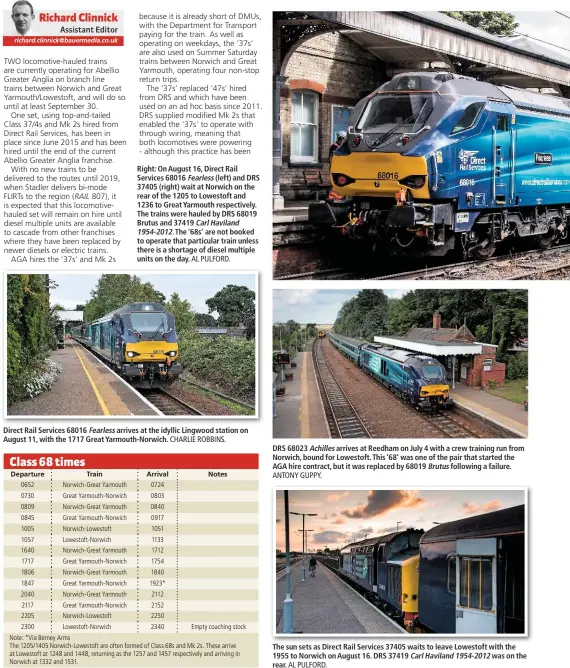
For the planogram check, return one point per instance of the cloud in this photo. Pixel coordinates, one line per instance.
(339, 521)
(337, 496)
(473, 508)
(379, 502)
(332, 537)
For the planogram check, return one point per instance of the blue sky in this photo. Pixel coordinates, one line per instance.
(76, 289)
(318, 306)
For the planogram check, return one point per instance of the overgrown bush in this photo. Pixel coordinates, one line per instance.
(226, 363)
(34, 381)
(30, 333)
(517, 366)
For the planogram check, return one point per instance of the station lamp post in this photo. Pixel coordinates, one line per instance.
(397, 525)
(303, 530)
(288, 602)
(305, 548)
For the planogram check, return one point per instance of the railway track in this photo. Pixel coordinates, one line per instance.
(342, 417)
(517, 266)
(168, 404)
(454, 424)
(528, 265)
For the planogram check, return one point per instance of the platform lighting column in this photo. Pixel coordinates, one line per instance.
(281, 366)
(397, 525)
(453, 373)
(288, 602)
(304, 515)
(305, 548)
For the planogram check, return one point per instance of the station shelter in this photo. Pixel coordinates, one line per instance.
(467, 361)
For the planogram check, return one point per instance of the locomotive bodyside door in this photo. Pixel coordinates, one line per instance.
(503, 142)
(476, 586)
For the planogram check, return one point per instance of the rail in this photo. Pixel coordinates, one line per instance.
(168, 404)
(342, 417)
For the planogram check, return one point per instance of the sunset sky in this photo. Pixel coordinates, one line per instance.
(345, 516)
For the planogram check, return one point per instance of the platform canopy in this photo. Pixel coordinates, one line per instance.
(410, 40)
(436, 349)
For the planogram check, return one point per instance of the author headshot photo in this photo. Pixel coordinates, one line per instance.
(22, 15)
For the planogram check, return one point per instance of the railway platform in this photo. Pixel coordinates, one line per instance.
(299, 413)
(505, 413)
(86, 387)
(326, 604)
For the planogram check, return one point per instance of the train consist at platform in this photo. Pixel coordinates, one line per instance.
(138, 340)
(437, 162)
(466, 576)
(418, 379)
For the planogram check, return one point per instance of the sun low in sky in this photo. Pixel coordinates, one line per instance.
(345, 516)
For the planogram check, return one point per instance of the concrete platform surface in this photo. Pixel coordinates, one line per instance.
(300, 412)
(506, 413)
(325, 604)
(86, 387)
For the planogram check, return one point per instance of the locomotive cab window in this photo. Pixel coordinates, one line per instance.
(385, 113)
(469, 117)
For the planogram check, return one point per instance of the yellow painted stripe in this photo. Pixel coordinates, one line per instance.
(92, 383)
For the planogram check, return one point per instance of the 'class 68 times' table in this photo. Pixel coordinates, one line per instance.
(131, 560)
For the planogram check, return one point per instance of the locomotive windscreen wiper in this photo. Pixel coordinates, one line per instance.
(380, 139)
(156, 331)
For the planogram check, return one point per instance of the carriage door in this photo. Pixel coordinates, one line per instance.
(502, 174)
(476, 586)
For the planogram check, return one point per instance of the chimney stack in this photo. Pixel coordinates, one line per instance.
(437, 320)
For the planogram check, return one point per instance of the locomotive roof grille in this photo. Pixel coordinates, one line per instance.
(381, 540)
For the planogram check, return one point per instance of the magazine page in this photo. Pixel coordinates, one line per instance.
(240, 430)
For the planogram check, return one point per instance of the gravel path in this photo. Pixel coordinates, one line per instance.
(385, 415)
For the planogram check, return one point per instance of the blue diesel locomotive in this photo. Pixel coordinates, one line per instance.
(386, 567)
(437, 161)
(139, 340)
(416, 378)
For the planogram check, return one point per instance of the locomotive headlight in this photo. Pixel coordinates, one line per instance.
(130, 353)
(342, 180)
(415, 181)
(172, 353)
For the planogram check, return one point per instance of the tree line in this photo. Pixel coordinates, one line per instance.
(31, 332)
(499, 317)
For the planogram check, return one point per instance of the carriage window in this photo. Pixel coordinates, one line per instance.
(476, 583)
(384, 368)
(469, 117)
(502, 122)
(451, 581)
